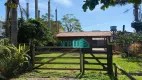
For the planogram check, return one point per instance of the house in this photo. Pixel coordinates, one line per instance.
(96, 40)
(1, 29)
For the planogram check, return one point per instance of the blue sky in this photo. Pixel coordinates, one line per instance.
(90, 20)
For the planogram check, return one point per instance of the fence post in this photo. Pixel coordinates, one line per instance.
(81, 61)
(32, 54)
(109, 60)
(115, 71)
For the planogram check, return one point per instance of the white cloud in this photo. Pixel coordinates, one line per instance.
(67, 3)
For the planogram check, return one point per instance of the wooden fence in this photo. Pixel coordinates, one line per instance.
(82, 63)
(116, 68)
(82, 58)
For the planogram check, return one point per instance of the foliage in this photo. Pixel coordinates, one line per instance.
(71, 23)
(53, 23)
(91, 4)
(45, 17)
(137, 26)
(35, 30)
(135, 48)
(12, 3)
(12, 59)
(125, 39)
(20, 22)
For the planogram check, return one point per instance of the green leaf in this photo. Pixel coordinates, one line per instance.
(85, 7)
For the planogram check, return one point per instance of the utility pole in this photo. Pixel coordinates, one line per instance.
(57, 27)
(39, 14)
(21, 13)
(27, 11)
(36, 9)
(49, 21)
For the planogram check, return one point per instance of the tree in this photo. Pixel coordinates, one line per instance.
(71, 23)
(11, 6)
(45, 17)
(35, 30)
(53, 23)
(125, 39)
(20, 22)
(91, 4)
(11, 24)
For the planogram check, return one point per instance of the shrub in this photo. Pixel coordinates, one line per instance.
(12, 59)
(135, 48)
(36, 31)
(127, 40)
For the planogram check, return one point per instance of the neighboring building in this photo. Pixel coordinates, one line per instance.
(97, 40)
(1, 32)
(1, 24)
(1, 29)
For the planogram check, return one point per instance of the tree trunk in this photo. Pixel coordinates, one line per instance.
(14, 27)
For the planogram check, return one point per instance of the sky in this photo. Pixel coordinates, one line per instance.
(90, 20)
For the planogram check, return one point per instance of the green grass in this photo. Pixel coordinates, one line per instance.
(64, 74)
(130, 65)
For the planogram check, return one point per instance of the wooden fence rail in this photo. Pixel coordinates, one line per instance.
(106, 66)
(116, 67)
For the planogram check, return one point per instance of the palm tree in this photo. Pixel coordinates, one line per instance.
(14, 26)
(11, 19)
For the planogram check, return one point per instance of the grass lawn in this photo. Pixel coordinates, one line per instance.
(130, 65)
